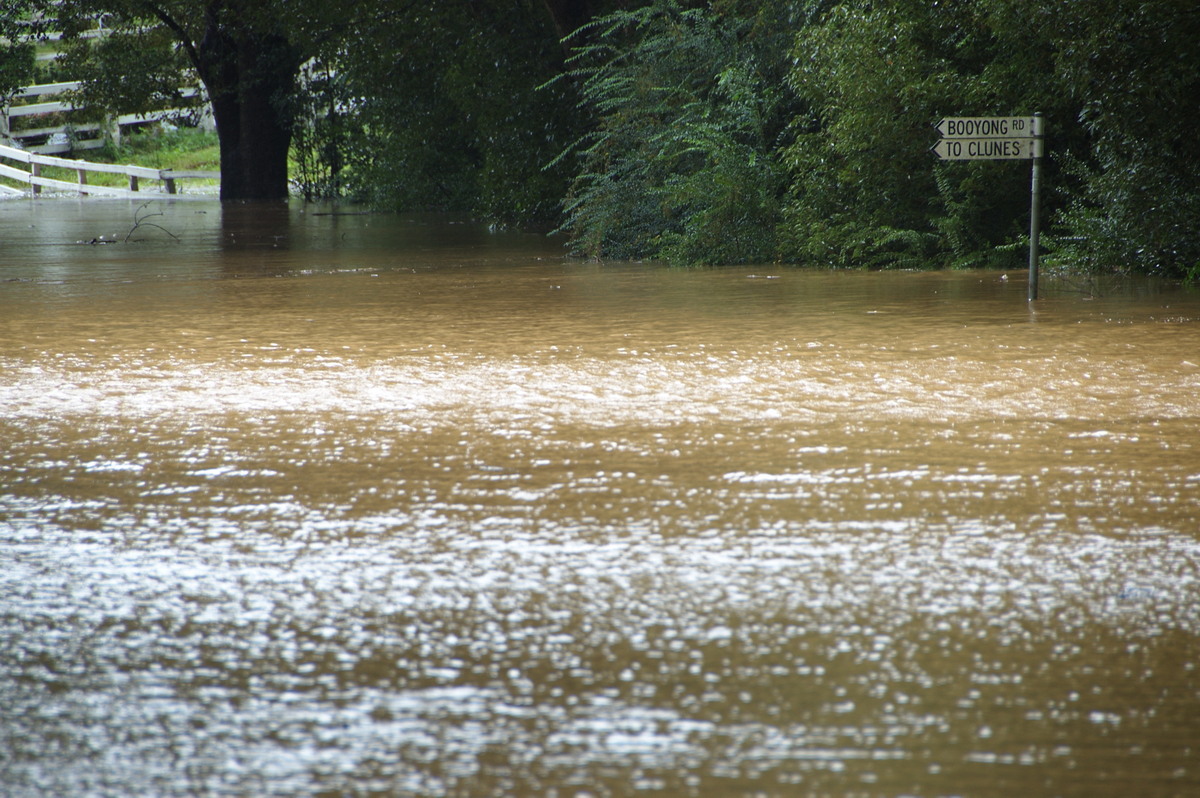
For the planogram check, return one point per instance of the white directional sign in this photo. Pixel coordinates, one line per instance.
(1000, 138)
(1003, 149)
(988, 127)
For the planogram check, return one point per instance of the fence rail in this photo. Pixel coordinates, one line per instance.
(61, 138)
(33, 177)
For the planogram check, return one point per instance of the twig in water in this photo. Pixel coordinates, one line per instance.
(139, 220)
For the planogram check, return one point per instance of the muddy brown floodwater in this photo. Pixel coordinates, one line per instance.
(304, 504)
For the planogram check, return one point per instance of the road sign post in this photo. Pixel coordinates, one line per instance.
(1035, 207)
(1000, 138)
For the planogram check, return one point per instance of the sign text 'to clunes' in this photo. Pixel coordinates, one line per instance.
(1003, 149)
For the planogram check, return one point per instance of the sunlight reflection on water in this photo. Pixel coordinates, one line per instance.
(429, 515)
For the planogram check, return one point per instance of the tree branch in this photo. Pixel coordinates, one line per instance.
(189, 46)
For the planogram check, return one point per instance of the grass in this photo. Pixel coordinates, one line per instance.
(182, 149)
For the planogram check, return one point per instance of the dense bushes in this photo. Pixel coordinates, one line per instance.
(683, 161)
(1130, 67)
(446, 115)
(702, 153)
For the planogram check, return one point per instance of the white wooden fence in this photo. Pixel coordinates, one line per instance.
(67, 137)
(35, 161)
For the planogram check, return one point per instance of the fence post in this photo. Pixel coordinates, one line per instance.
(82, 179)
(35, 170)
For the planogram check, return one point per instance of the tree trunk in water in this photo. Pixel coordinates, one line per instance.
(249, 77)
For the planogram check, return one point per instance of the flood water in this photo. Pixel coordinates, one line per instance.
(305, 504)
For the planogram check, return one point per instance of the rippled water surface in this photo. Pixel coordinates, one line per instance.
(296, 503)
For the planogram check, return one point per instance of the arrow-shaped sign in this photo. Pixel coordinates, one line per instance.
(987, 127)
(1006, 149)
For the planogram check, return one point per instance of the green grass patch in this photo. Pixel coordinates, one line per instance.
(182, 149)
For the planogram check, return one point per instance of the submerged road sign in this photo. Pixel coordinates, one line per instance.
(986, 127)
(1000, 138)
(989, 149)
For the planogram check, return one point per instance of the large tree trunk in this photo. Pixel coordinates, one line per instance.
(249, 77)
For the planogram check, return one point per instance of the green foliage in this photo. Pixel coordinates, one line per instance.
(133, 71)
(1131, 67)
(682, 162)
(1116, 80)
(445, 97)
(17, 54)
(16, 69)
(323, 132)
(867, 191)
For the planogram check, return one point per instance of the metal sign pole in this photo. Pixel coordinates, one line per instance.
(1035, 188)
